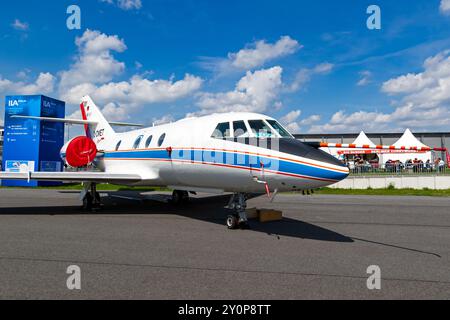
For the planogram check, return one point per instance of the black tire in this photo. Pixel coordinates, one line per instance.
(179, 197)
(176, 197)
(232, 222)
(184, 197)
(87, 201)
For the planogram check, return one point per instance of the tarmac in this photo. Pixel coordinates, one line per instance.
(139, 246)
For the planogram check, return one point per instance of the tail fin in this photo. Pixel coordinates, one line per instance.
(102, 132)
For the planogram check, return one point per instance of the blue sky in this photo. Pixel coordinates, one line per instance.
(314, 65)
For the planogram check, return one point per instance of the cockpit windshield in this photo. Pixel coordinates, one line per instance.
(239, 129)
(278, 128)
(222, 131)
(257, 128)
(260, 129)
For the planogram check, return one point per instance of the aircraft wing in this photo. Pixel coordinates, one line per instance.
(72, 176)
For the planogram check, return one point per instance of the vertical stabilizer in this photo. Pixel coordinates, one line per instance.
(102, 133)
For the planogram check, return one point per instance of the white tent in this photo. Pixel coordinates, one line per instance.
(363, 139)
(406, 140)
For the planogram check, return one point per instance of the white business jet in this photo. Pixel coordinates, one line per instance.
(240, 153)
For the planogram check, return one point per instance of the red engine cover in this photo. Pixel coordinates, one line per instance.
(81, 151)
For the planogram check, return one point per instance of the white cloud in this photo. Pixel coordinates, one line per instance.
(278, 105)
(293, 127)
(129, 4)
(427, 89)
(323, 68)
(291, 117)
(342, 122)
(260, 52)
(254, 55)
(293, 124)
(23, 74)
(95, 68)
(115, 112)
(425, 102)
(445, 7)
(94, 62)
(126, 4)
(168, 118)
(136, 91)
(254, 92)
(44, 84)
(365, 78)
(310, 120)
(304, 75)
(19, 25)
(406, 83)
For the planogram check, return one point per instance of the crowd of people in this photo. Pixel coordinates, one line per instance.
(360, 165)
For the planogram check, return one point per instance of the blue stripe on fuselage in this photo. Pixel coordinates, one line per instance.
(233, 159)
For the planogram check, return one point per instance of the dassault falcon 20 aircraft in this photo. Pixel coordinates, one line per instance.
(240, 153)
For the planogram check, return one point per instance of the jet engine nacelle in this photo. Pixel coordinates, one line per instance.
(79, 152)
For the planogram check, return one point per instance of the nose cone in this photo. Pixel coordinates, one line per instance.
(298, 148)
(331, 168)
(320, 155)
(340, 171)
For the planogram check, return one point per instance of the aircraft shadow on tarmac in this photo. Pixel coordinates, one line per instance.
(209, 209)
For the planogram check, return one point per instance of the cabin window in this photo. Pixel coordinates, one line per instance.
(260, 129)
(278, 128)
(148, 141)
(137, 142)
(161, 139)
(222, 131)
(118, 145)
(239, 129)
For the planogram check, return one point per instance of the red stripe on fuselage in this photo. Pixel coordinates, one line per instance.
(227, 166)
(237, 151)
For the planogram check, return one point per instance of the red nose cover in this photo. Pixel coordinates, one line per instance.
(81, 151)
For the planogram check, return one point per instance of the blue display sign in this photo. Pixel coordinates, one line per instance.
(32, 145)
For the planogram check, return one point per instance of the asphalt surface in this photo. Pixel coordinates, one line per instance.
(149, 249)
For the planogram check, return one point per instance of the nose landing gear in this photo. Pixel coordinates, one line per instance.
(238, 203)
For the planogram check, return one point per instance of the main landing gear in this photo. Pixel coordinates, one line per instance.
(180, 197)
(90, 196)
(237, 203)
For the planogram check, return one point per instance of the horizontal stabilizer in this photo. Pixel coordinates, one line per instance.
(125, 124)
(77, 121)
(65, 120)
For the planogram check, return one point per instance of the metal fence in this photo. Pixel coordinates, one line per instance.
(398, 168)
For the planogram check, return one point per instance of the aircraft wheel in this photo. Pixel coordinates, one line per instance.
(179, 197)
(87, 201)
(184, 196)
(176, 197)
(232, 222)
